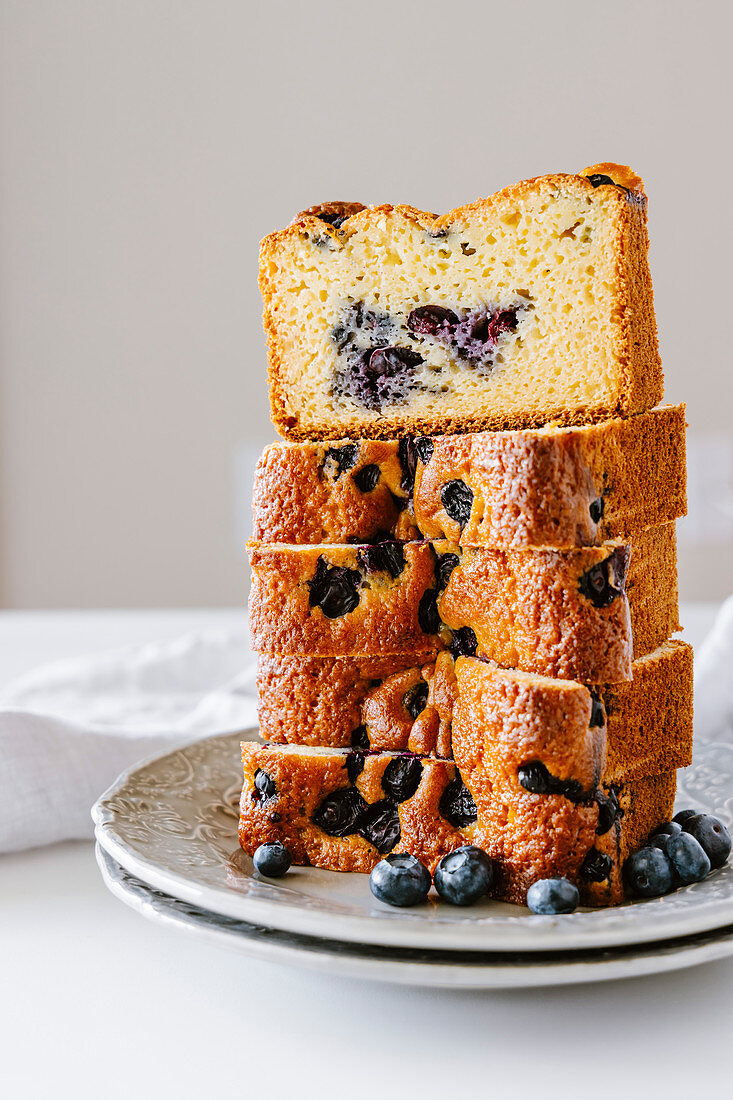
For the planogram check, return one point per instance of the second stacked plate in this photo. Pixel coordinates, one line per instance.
(170, 825)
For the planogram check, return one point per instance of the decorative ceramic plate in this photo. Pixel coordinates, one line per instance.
(415, 966)
(172, 822)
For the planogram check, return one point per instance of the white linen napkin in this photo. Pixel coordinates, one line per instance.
(68, 729)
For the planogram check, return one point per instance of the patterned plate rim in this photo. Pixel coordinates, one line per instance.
(182, 801)
(433, 969)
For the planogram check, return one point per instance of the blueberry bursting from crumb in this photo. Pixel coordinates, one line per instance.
(334, 588)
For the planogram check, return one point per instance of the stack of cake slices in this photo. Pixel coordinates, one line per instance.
(464, 565)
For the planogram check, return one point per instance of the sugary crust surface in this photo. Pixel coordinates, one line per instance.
(303, 783)
(648, 721)
(527, 609)
(535, 488)
(529, 835)
(631, 327)
(543, 487)
(309, 493)
(651, 587)
(340, 701)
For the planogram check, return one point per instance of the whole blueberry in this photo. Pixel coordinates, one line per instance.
(464, 875)
(366, 478)
(415, 698)
(683, 815)
(380, 825)
(711, 835)
(648, 873)
(670, 828)
(334, 588)
(552, 895)
(660, 840)
(400, 879)
(596, 509)
(272, 859)
(688, 858)
(427, 612)
(401, 777)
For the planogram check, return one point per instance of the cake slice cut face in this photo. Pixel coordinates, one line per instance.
(546, 487)
(580, 614)
(531, 306)
(407, 704)
(343, 810)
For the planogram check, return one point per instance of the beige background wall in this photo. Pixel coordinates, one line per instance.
(147, 145)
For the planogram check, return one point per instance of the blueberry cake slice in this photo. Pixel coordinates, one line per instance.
(557, 613)
(547, 487)
(374, 704)
(531, 306)
(343, 810)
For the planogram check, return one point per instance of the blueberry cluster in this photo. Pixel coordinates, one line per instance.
(374, 370)
(345, 811)
(461, 878)
(682, 851)
(336, 588)
(473, 336)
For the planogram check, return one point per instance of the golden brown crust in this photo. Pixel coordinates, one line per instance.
(385, 620)
(650, 719)
(620, 174)
(303, 782)
(309, 493)
(544, 488)
(328, 211)
(540, 488)
(648, 728)
(651, 588)
(640, 381)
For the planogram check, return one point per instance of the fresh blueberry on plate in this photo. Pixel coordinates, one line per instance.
(688, 858)
(648, 873)
(400, 879)
(272, 859)
(660, 836)
(683, 815)
(552, 896)
(464, 875)
(711, 835)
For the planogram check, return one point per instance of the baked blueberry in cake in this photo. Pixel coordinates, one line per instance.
(531, 306)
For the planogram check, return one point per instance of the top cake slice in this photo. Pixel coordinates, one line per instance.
(531, 306)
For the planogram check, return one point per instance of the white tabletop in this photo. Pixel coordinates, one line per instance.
(97, 1002)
